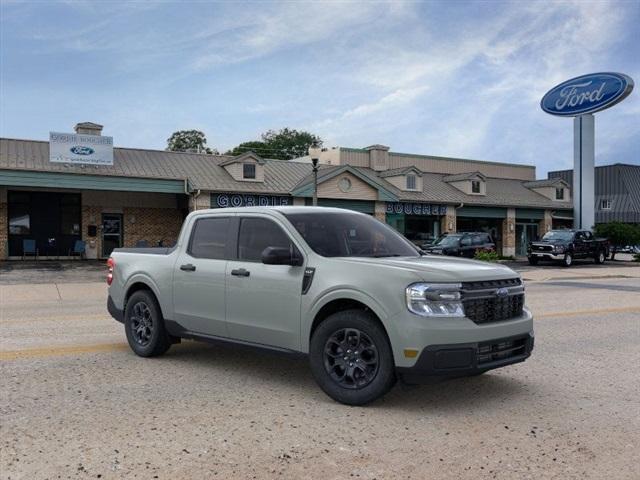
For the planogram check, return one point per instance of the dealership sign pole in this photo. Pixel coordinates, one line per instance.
(580, 98)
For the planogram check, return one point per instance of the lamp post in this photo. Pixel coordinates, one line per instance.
(314, 153)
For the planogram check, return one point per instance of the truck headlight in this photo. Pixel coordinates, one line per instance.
(559, 248)
(435, 299)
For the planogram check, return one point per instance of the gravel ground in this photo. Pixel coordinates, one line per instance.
(76, 403)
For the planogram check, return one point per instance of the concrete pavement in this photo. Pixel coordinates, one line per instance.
(76, 403)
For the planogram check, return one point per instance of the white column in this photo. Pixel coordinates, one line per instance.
(583, 171)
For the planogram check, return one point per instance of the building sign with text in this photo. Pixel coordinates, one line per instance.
(416, 208)
(80, 149)
(224, 200)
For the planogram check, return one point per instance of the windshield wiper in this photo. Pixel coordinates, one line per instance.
(382, 255)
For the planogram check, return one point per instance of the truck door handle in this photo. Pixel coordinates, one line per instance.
(188, 267)
(241, 272)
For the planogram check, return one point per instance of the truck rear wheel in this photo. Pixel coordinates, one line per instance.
(351, 358)
(144, 325)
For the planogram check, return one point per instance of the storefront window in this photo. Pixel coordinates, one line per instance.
(19, 220)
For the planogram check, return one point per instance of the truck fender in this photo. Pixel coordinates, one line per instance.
(149, 282)
(345, 294)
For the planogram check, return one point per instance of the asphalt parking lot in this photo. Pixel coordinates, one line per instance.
(76, 403)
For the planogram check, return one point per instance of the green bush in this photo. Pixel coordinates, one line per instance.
(487, 256)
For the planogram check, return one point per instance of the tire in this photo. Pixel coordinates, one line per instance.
(357, 336)
(144, 325)
(533, 261)
(568, 260)
(600, 257)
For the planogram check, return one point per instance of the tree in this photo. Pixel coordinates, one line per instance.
(257, 147)
(619, 234)
(189, 141)
(284, 144)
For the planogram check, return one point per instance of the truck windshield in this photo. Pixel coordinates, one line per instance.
(558, 235)
(338, 234)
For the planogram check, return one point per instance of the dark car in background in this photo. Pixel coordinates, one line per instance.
(566, 245)
(462, 244)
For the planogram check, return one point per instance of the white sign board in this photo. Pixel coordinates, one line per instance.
(80, 149)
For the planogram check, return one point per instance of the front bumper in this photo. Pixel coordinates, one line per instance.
(114, 311)
(546, 255)
(463, 359)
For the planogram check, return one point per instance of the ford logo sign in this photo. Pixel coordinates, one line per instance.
(587, 94)
(79, 150)
(502, 292)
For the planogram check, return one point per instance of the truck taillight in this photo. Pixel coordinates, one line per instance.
(110, 265)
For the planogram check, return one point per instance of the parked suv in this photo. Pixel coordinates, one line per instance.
(462, 244)
(340, 286)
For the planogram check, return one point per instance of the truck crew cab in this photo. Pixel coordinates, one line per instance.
(340, 286)
(566, 245)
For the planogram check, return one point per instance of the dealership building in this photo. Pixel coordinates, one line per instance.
(108, 197)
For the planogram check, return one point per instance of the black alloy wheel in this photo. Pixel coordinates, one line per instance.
(351, 358)
(141, 323)
(144, 325)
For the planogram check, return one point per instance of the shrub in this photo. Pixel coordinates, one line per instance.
(619, 234)
(486, 256)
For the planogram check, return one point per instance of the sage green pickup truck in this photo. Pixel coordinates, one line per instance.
(359, 299)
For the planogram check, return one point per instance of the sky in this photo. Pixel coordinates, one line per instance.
(446, 78)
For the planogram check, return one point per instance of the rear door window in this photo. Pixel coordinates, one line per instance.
(209, 238)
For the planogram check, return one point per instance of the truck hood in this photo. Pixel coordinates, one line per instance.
(550, 242)
(436, 268)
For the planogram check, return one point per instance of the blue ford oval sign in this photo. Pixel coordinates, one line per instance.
(80, 150)
(587, 94)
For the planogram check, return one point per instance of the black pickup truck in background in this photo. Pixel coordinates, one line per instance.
(566, 245)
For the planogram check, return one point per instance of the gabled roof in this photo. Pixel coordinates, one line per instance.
(206, 172)
(305, 187)
(547, 182)
(463, 176)
(394, 172)
(249, 155)
(203, 171)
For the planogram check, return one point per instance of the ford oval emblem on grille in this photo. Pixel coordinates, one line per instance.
(502, 292)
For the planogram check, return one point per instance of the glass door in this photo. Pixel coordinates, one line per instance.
(525, 233)
(111, 232)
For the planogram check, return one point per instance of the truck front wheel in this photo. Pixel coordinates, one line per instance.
(567, 261)
(600, 257)
(351, 358)
(144, 325)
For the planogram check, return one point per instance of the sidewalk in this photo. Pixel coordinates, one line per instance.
(51, 271)
(56, 293)
(579, 272)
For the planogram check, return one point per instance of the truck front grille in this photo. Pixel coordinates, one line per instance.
(493, 300)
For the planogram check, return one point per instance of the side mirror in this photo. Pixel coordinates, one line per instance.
(281, 256)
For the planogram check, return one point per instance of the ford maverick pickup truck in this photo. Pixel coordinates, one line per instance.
(342, 287)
